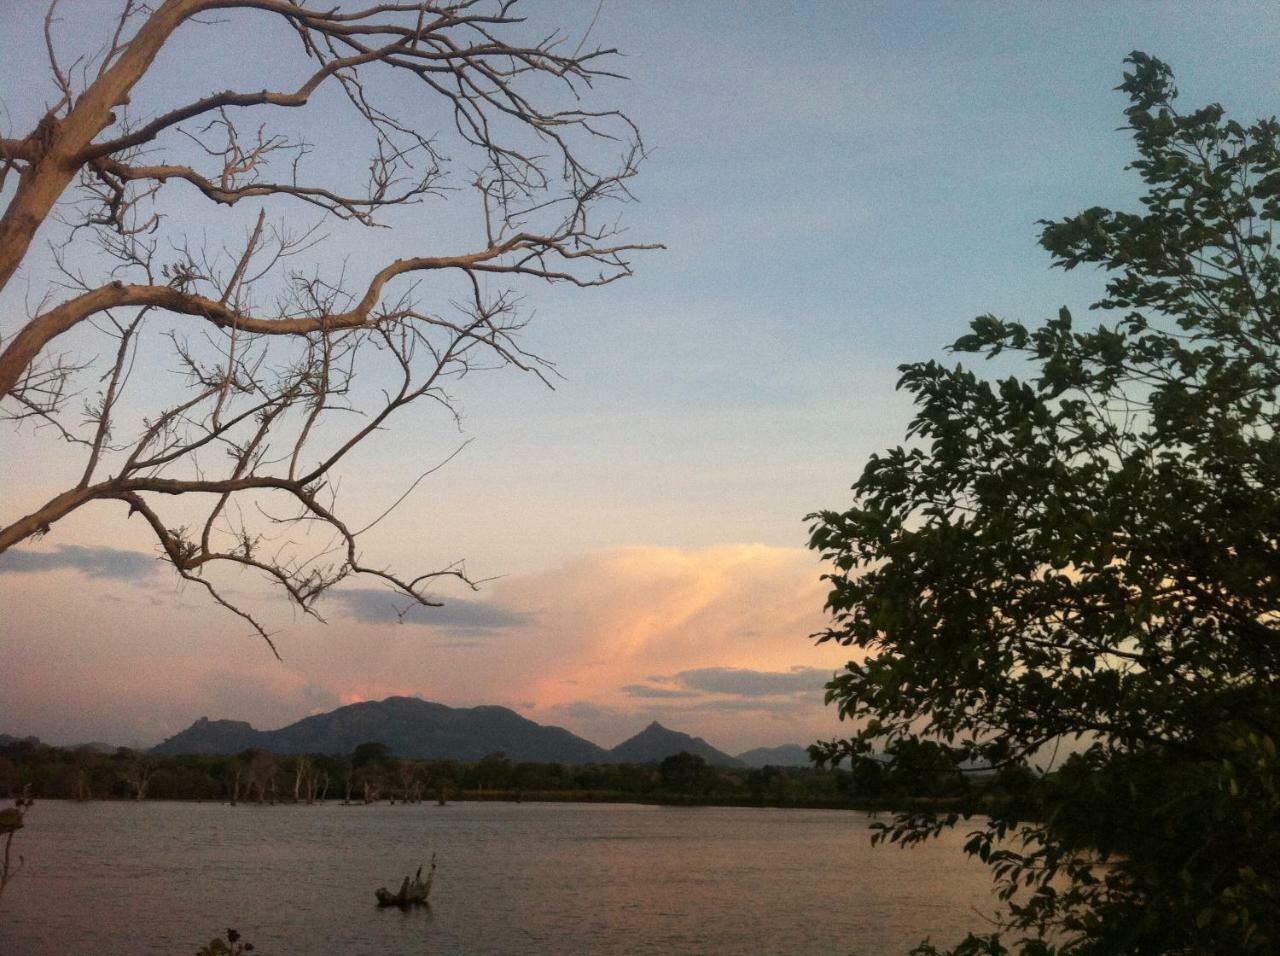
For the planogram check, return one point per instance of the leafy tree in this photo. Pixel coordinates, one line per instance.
(492, 772)
(923, 768)
(684, 773)
(371, 753)
(1084, 561)
(761, 781)
(541, 776)
(8, 776)
(868, 777)
(334, 768)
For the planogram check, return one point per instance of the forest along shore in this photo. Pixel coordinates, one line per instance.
(372, 775)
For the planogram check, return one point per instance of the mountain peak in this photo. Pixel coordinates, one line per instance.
(414, 727)
(207, 736)
(788, 755)
(656, 743)
(409, 726)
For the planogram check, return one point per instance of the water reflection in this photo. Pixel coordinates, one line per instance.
(512, 878)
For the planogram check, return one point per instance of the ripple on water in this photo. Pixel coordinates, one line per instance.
(522, 878)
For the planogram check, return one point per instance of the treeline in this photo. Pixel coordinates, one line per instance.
(371, 774)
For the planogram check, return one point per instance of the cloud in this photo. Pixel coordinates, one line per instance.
(106, 563)
(585, 710)
(764, 705)
(643, 632)
(604, 636)
(745, 687)
(319, 698)
(744, 682)
(655, 693)
(380, 606)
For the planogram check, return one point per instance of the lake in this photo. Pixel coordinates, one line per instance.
(523, 878)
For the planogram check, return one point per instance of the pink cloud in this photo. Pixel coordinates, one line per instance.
(577, 641)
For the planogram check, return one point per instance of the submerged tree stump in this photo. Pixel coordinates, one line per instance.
(413, 892)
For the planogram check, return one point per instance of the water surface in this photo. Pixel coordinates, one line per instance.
(527, 878)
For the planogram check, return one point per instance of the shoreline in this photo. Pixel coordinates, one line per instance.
(585, 798)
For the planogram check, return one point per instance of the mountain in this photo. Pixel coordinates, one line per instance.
(95, 746)
(412, 727)
(655, 743)
(788, 755)
(6, 740)
(409, 726)
(418, 728)
(207, 736)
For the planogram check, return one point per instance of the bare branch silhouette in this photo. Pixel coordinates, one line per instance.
(277, 361)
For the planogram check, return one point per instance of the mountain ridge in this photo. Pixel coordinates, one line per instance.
(787, 755)
(409, 726)
(422, 729)
(655, 743)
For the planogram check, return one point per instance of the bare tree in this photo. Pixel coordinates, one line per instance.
(307, 779)
(407, 773)
(302, 772)
(261, 773)
(138, 770)
(11, 821)
(285, 367)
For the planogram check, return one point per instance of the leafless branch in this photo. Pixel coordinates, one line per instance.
(267, 391)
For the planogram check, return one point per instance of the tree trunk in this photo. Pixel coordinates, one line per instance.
(59, 143)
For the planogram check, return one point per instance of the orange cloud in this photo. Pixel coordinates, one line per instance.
(591, 644)
(608, 622)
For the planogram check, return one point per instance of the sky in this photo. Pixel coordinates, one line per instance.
(840, 188)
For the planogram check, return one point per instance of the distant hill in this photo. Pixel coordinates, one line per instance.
(409, 726)
(207, 736)
(788, 755)
(95, 746)
(655, 743)
(412, 727)
(6, 740)
(417, 728)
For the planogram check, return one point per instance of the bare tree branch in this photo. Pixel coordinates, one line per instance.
(241, 463)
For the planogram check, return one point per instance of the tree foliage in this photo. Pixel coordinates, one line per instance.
(258, 776)
(1083, 560)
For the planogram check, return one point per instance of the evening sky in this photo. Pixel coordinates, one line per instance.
(840, 188)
